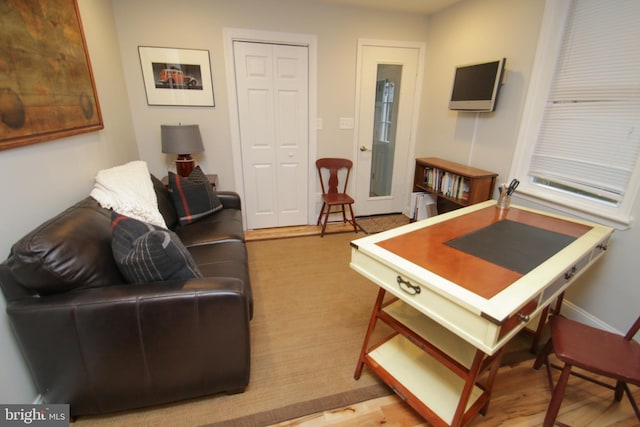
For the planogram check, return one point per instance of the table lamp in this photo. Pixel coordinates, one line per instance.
(183, 141)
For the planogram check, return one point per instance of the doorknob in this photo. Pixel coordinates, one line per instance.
(363, 148)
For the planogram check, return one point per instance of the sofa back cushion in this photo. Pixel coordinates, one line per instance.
(194, 198)
(165, 203)
(71, 250)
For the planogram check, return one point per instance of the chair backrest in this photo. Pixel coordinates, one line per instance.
(633, 330)
(333, 165)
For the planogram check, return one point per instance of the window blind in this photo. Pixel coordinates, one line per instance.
(589, 140)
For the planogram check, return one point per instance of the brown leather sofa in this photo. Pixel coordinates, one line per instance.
(102, 345)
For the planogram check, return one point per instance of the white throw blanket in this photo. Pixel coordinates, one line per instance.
(128, 190)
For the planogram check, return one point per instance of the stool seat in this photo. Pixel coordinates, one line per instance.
(595, 351)
(601, 352)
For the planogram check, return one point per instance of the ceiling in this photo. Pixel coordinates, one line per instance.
(424, 7)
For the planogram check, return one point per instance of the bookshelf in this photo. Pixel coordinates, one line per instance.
(454, 184)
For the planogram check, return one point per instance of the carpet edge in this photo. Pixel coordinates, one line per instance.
(313, 406)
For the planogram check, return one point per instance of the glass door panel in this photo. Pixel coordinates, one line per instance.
(384, 129)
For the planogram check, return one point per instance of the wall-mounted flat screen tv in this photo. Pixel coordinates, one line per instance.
(476, 86)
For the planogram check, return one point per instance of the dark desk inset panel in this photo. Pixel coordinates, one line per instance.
(512, 245)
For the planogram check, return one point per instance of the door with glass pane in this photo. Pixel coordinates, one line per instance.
(388, 77)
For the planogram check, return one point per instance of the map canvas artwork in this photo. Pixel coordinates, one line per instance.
(46, 82)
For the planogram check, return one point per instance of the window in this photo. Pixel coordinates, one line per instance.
(385, 92)
(579, 143)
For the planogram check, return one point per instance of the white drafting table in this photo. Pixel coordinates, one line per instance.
(463, 284)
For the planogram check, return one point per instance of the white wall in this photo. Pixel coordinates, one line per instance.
(40, 180)
(475, 30)
(200, 26)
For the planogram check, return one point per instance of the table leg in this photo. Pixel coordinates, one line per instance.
(543, 321)
(538, 332)
(372, 324)
(492, 378)
(470, 382)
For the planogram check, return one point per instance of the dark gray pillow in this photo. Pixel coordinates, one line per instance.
(194, 198)
(146, 253)
(165, 203)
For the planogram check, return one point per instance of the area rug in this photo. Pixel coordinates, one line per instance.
(378, 223)
(310, 317)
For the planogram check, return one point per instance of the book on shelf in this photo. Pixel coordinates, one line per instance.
(446, 183)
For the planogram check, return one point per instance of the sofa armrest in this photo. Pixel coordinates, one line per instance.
(230, 200)
(126, 346)
(221, 287)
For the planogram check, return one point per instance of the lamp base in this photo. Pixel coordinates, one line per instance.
(185, 165)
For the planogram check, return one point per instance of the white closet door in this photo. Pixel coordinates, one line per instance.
(272, 92)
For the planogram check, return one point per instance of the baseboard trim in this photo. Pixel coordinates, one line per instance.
(576, 313)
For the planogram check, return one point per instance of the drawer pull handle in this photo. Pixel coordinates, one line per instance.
(406, 286)
(523, 317)
(400, 395)
(569, 274)
(602, 247)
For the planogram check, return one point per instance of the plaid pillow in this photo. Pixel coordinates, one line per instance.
(145, 253)
(194, 198)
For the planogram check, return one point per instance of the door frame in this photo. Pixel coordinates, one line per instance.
(310, 41)
(407, 177)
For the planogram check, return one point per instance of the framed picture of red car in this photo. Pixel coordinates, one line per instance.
(176, 76)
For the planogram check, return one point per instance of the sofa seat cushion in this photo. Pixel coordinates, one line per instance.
(225, 259)
(147, 253)
(225, 225)
(71, 250)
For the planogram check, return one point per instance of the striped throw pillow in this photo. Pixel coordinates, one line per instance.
(146, 253)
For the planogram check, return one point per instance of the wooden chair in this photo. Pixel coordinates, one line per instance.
(594, 351)
(334, 194)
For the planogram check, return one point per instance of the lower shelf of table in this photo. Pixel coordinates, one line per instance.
(433, 384)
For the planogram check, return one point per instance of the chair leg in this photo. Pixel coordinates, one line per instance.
(353, 219)
(556, 399)
(632, 400)
(321, 212)
(326, 220)
(619, 391)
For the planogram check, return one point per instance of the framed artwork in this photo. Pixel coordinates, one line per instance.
(176, 76)
(47, 89)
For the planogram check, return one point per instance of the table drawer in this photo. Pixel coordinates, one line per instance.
(519, 318)
(563, 280)
(471, 326)
(600, 248)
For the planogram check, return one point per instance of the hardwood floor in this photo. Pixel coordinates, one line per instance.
(520, 398)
